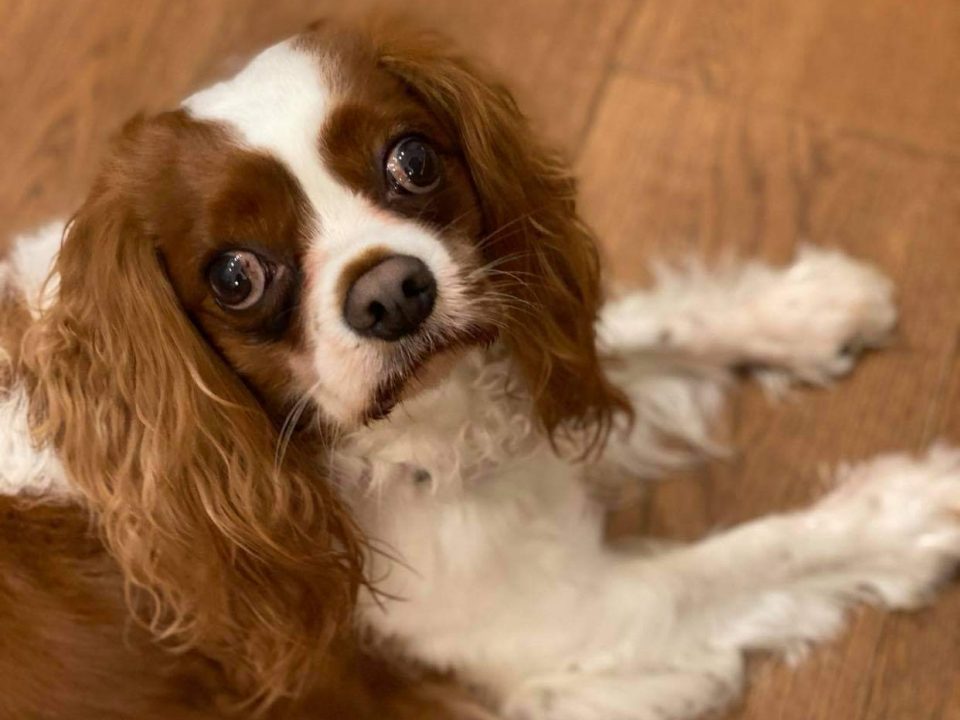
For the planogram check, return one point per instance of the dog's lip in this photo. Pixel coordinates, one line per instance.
(390, 391)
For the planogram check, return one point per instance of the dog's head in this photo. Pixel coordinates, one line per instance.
(321, 233)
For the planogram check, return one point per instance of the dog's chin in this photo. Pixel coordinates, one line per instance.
(412, 374)
(432, 373)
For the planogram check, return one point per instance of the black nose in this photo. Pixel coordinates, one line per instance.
(391, 299)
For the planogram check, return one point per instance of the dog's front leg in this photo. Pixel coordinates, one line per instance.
(684, 620)
(806, 320)
(673, 346)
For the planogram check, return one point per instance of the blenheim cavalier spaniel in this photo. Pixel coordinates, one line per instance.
(307, 410)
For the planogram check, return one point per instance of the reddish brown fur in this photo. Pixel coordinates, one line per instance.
(69, 651)
(379, 109)
(166, 413)
(196, 194)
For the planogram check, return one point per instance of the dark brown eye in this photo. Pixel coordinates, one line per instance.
(238, 279)
(413, 166)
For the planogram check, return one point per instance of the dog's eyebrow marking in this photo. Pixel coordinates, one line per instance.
(277, 104)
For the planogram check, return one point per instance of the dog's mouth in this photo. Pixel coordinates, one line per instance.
(423, 362)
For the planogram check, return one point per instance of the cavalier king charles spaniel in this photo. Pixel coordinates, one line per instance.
(311, 413)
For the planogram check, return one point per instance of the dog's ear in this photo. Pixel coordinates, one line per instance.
(254, 562)
(533, 232)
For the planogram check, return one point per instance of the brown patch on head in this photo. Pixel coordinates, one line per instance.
(209, 196)
(373, 110)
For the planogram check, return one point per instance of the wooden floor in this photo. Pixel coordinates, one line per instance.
(696, 125)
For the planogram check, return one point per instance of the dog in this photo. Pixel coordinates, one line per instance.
(322, 390)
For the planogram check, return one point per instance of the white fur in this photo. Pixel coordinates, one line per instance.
(807, 320)
(499, 570)
(31, 261)
(676, 627)
(24, 468)
(495, 565)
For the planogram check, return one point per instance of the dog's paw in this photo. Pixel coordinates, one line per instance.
(898, 519)
(813, 318)
(806, 321)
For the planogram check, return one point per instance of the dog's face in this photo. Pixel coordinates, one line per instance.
(340, 224)
(322, 228)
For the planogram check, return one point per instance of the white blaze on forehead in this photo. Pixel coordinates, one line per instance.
(278, 103)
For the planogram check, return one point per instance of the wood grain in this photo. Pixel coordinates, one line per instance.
(745, 125)
(886, 67)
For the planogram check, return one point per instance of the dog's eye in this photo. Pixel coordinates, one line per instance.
(238, 279)
(413, 166)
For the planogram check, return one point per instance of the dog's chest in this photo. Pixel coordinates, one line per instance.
(449, 438)
(460, 497)
(449, 482)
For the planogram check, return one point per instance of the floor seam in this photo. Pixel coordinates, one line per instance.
(934, 417)
(610, 69)
(888, 142)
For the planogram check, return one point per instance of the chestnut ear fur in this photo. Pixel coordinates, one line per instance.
(547, 257)
(256, 564)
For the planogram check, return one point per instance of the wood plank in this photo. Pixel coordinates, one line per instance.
(666, 171)
(75, 71)
(886, 67)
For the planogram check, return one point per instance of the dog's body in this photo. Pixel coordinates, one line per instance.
(501, 569)
(498, 566)
(486, 556)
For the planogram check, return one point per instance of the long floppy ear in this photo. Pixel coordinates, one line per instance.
(223, 550)
(532, 231)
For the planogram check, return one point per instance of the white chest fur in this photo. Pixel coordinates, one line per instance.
(471, 506)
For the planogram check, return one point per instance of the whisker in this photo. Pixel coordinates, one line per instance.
(455, 220)
(290, 424)
(530, 215)
(493, 265)
(485, 241)
(508, 302)
(520, 276)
